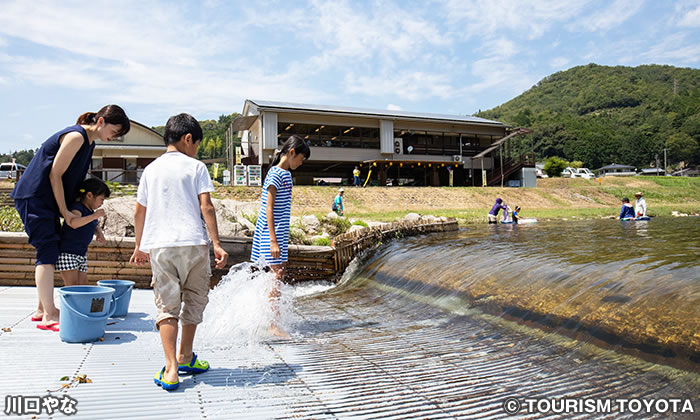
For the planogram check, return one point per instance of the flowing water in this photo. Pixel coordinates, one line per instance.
(451, 325)
(633, 285)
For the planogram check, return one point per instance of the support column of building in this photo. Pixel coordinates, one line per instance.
(434, 176)
(382, 174)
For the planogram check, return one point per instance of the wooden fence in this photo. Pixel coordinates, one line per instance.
(111, 260)
(348, 245)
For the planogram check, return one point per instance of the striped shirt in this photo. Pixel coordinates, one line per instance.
(281, 180)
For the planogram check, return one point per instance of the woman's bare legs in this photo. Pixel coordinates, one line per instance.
(43, 275)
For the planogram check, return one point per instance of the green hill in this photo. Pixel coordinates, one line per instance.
(601, 115)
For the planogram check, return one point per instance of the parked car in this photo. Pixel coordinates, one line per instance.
(585, 173)
(569, 173)
(8, 170)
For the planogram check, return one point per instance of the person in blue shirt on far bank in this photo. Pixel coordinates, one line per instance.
(338, 203)
(627, 211)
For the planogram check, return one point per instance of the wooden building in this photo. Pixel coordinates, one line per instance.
(399, 147)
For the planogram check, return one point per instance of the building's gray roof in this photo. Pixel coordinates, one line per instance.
(615, 166)
(383, 113)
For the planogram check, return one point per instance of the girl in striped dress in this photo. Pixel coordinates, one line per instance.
(272, 227)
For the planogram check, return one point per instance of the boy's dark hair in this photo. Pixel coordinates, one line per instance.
(179, 125)
(293, 142)
(94, 185)
(625, 200)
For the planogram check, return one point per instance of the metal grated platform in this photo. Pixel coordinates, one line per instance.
(365, 354)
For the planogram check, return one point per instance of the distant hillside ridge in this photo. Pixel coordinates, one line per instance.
(601, 115)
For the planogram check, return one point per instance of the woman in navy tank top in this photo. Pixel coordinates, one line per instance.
(49, 182)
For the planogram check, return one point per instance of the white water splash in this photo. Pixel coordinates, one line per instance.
(311, 288)
(240, 310)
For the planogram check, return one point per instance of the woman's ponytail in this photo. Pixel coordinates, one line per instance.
(87, 118)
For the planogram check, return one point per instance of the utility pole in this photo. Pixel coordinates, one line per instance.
(665, 167)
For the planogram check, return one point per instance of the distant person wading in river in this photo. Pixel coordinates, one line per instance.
(493, 214)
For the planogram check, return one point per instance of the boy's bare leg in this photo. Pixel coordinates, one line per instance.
(70, 277)
(186, 342)
(275, 294)
(168, 336)
(43, 274)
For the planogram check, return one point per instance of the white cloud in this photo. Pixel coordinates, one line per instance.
(529, 19)
(673, 48)
(411, 86)
(144, 53)
(384, 32)
(392, 107)
(559, 63)
(27, 137)
(499, 47)
(691, 18)
(74, 74)
(496, 73)
(615, 14)
(129, 31)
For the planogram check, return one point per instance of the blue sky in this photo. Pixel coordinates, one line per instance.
(158, 58)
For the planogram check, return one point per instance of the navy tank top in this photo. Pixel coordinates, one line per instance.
(35, 182)
(76, 241)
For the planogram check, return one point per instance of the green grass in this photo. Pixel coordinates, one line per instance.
(339, 225)
(478, 216)
(321, 242)
(360, 223)
(9, 220)
(252, 218)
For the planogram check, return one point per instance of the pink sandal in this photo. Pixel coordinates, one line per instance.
(48, 327)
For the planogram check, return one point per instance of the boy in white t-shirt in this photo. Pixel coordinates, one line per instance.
(173, 205)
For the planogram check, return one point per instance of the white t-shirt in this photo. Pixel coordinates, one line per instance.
(641, 207)
(169, 189)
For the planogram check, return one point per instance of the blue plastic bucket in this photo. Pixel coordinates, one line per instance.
(122, 294)
(84, 312)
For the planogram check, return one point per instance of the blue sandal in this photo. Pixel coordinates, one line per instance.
(168, 386)
(195, 366)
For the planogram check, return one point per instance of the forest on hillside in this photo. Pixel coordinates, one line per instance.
(214, 136)
(600, 115)
(213, 144)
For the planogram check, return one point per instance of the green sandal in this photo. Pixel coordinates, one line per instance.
(168, 386)
(195, 366)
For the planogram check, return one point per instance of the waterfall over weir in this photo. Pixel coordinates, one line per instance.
(595, 319)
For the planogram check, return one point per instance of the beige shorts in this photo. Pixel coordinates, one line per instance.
(492, 218)
(181, 282)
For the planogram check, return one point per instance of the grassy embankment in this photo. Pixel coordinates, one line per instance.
(556, 198)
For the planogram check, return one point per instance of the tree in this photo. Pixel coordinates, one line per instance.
(554, 165)
(681, 147)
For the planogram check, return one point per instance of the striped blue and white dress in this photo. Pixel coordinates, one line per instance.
(282, 181)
